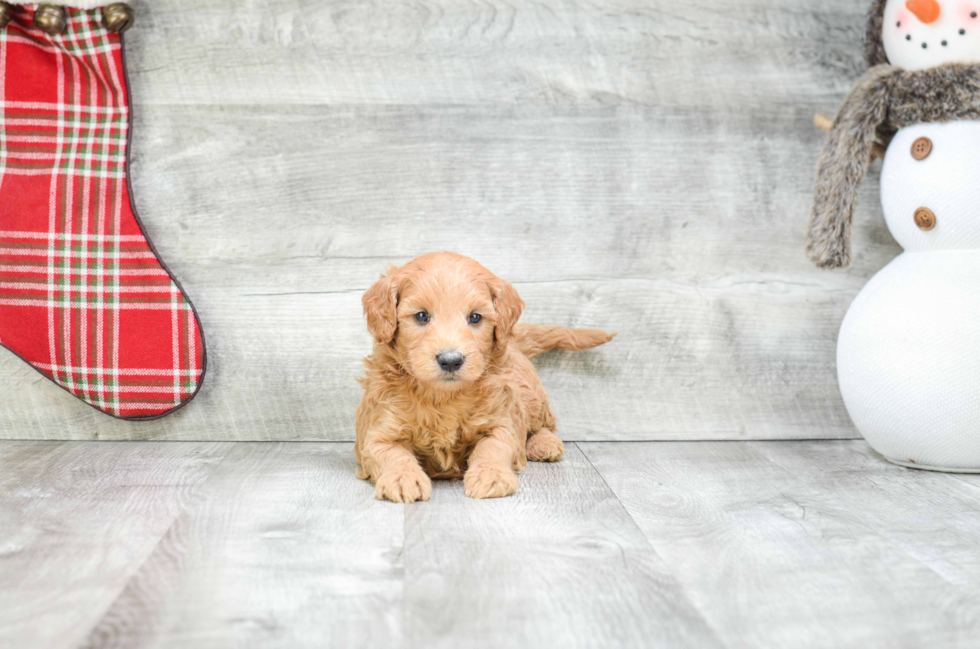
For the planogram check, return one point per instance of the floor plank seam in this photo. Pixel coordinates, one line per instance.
(191, 501)
(963, 478)
(924, 480)
(653, 550)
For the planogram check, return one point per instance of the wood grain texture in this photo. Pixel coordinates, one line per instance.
(671, 544)
(641, 166)
(285, 548)
(560, 564)
(76, 522)
(807, 544)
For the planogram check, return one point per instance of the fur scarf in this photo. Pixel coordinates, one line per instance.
(883, 101)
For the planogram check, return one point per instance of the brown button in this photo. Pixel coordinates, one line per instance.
(925, 219)
(921, 148)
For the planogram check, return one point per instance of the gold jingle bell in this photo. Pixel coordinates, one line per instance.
(50, 19)
(118, 17)
(6, 13)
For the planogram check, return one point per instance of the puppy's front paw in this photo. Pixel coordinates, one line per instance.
(545, 447)
(404, 486)
(489, 482)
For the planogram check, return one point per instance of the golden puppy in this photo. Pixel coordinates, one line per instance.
(449, 391)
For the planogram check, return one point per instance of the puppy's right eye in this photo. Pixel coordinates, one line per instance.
(422, 317)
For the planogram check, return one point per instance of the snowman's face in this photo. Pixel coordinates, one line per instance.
(920, 34)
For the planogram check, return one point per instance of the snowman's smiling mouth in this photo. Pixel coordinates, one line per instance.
(925, 44)
(944, 43)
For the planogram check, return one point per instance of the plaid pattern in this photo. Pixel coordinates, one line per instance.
(83, 297)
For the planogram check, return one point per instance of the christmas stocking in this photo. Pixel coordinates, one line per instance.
(84, 298)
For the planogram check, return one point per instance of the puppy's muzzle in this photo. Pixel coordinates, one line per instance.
(450, 361)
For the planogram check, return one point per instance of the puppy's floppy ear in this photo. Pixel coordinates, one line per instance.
(381, 307)
(509, 307)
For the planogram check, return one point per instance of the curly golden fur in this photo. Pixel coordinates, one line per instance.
(480, 417)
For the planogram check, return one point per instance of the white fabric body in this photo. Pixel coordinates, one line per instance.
(947, 182)
(908, 355)
(904, 35)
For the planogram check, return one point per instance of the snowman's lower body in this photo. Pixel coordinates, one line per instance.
(908, 361)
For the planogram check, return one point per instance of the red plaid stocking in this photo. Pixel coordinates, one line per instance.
(83, 296)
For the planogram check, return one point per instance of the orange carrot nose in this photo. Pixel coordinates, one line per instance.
(925, 10)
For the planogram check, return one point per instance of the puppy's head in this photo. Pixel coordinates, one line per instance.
(443, 316)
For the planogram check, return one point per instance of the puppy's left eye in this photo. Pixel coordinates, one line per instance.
(475, 318)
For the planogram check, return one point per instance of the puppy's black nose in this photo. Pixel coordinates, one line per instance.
(450, 361)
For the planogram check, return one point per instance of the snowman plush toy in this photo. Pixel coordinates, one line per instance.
(908, 355)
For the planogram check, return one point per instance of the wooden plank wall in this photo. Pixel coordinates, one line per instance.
(640, 166)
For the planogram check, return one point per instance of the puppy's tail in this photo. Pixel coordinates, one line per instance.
(534, 340)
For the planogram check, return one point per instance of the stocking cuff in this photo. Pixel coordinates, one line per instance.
(76, 4)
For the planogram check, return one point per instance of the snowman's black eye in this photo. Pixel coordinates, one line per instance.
(944, 43)
(909, 37)
(973, 14)
(924, 46)
(898, 24)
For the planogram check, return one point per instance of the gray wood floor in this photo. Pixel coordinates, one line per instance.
(644, 166)
(669, 544)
